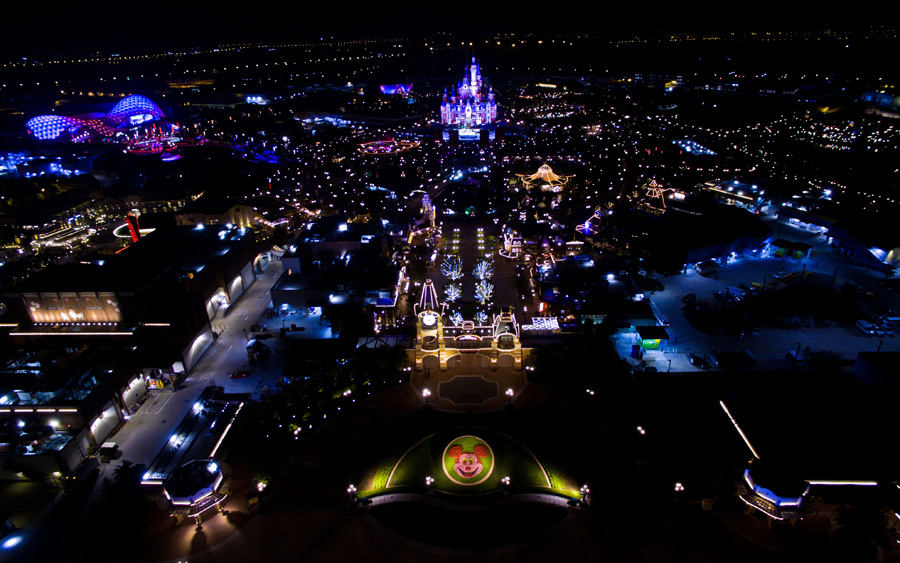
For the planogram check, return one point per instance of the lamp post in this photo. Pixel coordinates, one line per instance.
(426, 393)
(834, 277)
(510, 393)
(585, 491)
(669, 368)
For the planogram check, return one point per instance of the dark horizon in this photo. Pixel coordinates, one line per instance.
(130, 27)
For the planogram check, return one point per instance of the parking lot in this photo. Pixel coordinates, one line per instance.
(770, 344)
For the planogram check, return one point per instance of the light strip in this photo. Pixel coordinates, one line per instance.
(157, 324)
(23, 410)
(858, 483)
(46, 410)
(73, 334)
(225, 432)
(68, 410)
(738, 428)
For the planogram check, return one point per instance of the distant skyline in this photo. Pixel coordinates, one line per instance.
(121, 25)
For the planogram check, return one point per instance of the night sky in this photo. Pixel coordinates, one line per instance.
(34, 26)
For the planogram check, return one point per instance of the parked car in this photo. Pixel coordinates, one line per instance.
(891, 319)
(749, 290)
(865, 326)
(697, 361)
(888, 331)
(689, 298)
(241, 374)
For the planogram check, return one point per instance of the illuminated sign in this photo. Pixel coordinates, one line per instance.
(140, 118)
(390, 89)
(71, 307)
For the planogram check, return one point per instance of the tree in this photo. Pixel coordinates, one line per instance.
(484, 291)
(452, 267)
(868, 520)
(452, 292)
(483, 270)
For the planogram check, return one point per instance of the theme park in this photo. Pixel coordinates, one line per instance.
(321, 307)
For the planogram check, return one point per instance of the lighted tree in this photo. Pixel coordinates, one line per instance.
(452, 267)
(483, 270)
(480, 318)
(484, 290)
(452, 292)
(456, 318)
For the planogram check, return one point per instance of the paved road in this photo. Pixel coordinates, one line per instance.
(145, 433)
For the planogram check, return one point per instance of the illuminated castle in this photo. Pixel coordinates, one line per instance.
(468, 106)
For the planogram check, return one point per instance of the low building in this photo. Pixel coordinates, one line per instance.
(58, 404)
(159, 295)
(215, 211)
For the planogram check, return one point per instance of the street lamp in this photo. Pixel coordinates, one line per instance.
(351, 490)
(426, 393)
(510, 393)
(585, 491)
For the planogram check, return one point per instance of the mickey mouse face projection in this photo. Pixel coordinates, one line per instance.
(468, 460)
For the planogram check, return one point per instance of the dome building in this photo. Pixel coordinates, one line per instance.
(129, 112)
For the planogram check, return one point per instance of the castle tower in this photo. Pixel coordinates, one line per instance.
(429, 325)
(468, 105)
(428, 210)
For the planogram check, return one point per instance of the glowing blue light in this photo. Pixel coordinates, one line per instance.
(11, 542)
(49, 127)
(131, 110)
(212, 467)
(133, 106)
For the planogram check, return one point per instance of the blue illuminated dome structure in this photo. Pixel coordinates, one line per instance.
(48, 127)
(129, 112)
(133, 110)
